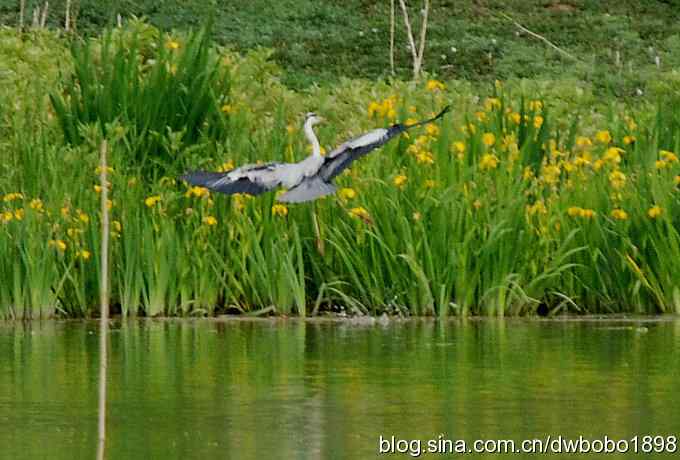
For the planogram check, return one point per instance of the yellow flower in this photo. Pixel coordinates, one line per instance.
(515, 117)
(535, 105)
(226, 166)
(628, 139)
(279, 210)
(481, 116)
(670, 157)
(459, 147)
(410, 121)
(19, 214)
(209, 221)
(551, 174)
(152, 200)
(619, 214)
(655, 211)
(173, 45)
(660, 164)
(617, 179)
(538, 121)
(488, 161)
(97, 188)
(574, 211)
(82, 254)
(73, 232)
(581, 161)
(7, 216)
(58, 244)
(583, 142)
(417, 216)
(528, 173)
(400, 180)
(36, 205)
(491, 103)
(587, 213)
(373, 108)
(424, 158)
(198, 192)
(12, 197)
(432, 130)
(435, 85)
(116, 226)
(613, 154)
(360, 213)
(677, 180)
(603, 137)
(84, 218)
(228, 109)
(488, 139)
(430, 183)
(347, 194)
(536, 208)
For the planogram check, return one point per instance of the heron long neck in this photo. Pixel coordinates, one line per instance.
(311, 137)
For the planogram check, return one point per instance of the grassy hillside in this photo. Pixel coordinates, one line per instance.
(616, 42)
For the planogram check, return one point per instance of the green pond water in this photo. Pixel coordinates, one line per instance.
(291, 389)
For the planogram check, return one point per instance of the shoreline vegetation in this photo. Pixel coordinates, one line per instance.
(533, 197)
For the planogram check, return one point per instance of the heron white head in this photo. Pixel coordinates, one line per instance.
(312, 119)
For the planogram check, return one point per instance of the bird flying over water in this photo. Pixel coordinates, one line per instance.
(308, 179)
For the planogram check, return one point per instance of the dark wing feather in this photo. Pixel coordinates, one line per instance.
(216, 181)
(340, 159)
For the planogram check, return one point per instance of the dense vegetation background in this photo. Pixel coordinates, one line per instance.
(617, 42)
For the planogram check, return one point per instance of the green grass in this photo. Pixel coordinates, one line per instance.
(322, 41)
(506, 207)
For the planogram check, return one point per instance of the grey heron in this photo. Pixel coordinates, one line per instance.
(308, 179)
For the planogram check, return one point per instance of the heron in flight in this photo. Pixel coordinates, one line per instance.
(308, 179)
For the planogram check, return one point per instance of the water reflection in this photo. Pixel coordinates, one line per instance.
(329, 389)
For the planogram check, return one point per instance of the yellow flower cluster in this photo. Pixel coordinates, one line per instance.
(57, 244)
(360, 213)
(435, 85)
(347, 194)
(619, 214)
(226, 166)
(383, 109)
(537, 208)
(617, 179)
(210, 221)
(655, 211)
(488, 139)
(400, 180)
(198, 192)
(488, 161)
(12, 197)
(575, 211)
(667, 158)
(279, 210)
(151, 201)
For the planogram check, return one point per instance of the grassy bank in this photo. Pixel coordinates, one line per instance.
(616, 43)
(531, 196)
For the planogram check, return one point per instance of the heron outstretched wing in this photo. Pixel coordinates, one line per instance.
(339, 159)
(250, 179)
